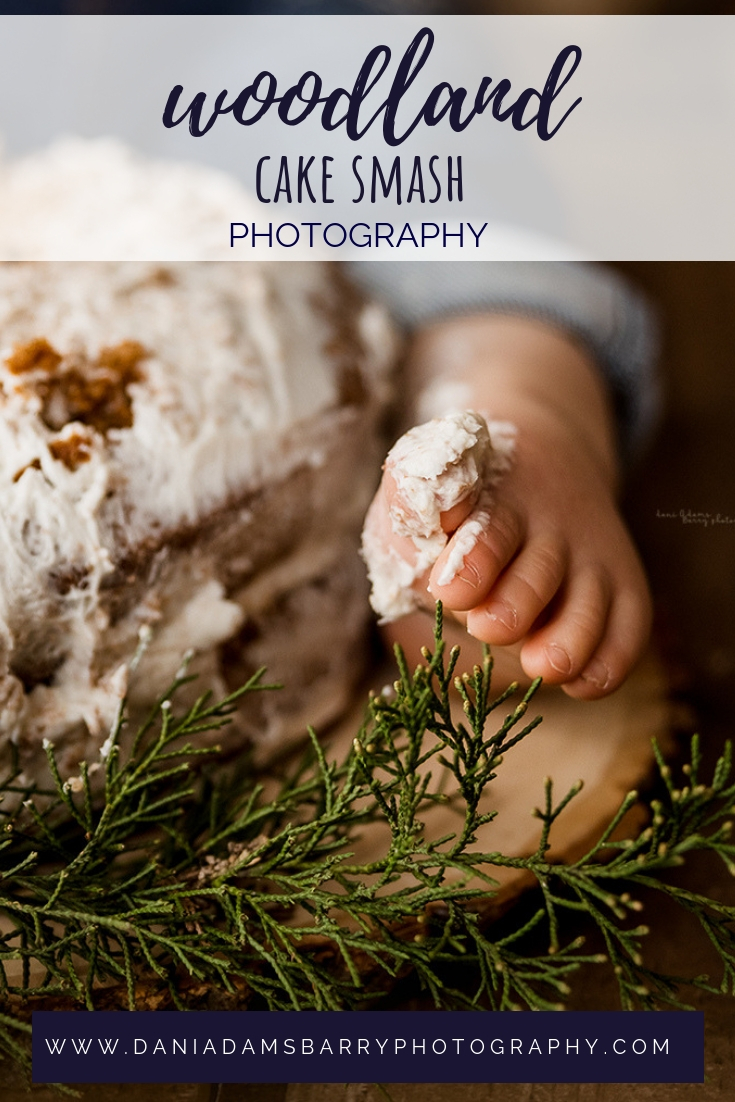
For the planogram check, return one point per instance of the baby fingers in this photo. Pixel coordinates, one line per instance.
(521, 593)
(475, 556)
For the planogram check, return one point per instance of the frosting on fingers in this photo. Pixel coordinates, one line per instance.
(435, 467)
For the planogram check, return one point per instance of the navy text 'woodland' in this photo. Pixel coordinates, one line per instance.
(342, 108)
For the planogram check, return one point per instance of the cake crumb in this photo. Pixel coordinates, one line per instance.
(97, 395)
(34, 465)
(94, 392)
(35, 355)
(72, 450)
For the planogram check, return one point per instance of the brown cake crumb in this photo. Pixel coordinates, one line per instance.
(162, 277)
(73, 577)
(72, 450)
(122, 360)
(34, 465)
(95, 394)
(36, 355)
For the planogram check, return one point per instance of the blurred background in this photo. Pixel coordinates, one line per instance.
(691, 467)
(366, 7)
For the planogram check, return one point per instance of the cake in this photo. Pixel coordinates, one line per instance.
(186, 454)
(98, 199)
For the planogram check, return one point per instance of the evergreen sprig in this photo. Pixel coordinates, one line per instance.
(149, 880)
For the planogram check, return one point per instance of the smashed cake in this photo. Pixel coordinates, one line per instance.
(186, 452)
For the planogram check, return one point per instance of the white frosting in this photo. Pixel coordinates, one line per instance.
(224, 383)
(464, 541)
(98, 200)
(237, 389)
(435, 467)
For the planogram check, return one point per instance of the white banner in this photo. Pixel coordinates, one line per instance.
(371, 137)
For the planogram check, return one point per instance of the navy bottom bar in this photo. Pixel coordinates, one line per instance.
(368, 1046)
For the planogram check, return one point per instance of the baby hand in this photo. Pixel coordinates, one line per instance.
(530, 551)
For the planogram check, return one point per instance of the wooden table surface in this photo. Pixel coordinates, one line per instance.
(691, 467)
